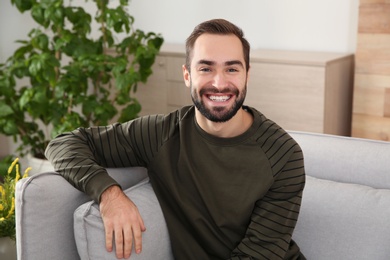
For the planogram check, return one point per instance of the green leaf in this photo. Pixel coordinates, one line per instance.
(89, 105)
(8, 126)
(23, 5)
(58, 16)
(26, 97)
(104, 112)
(124, 2)
(5, 110)
(50, 75)
(35, 66)
(38, 14)
(80, 19)
(22, 51)
(156, 42)
(6, 86)
(130, 112)
(41, 42)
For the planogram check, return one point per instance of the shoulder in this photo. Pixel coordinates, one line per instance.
(162, 125)
(272, 138)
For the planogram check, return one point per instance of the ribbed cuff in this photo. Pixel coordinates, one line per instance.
(98, 184)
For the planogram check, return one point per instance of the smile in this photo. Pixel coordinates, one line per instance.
(219, 98)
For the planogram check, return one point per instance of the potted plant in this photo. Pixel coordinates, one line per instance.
(63, 77)
(7, 209)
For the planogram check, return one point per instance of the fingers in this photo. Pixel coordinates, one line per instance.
(137, 240)
(138, 235)
(128, 242)
(124, 235)
(119, 246)
(123, 223)
(124, 241)
(108, 233)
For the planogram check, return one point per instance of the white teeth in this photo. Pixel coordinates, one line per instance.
(219, 98)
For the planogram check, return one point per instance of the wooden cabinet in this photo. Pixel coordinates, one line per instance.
(165, 90)
(306, 91)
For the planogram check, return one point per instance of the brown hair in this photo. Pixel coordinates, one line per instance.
(216, 26)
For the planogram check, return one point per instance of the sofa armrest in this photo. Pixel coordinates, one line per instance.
(44, 217)
(45, 204)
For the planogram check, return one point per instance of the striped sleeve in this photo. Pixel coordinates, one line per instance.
(81, 156)
(275, 215)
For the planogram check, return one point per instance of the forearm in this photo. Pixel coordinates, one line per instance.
(77, 158)
(83, 155)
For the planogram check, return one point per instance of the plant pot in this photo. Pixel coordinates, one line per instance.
(7, 248)
(38, 165)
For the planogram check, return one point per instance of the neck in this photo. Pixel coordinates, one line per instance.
(237, 125)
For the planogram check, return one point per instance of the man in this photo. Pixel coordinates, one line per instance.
(229, 180)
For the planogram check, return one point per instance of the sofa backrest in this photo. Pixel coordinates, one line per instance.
(346, 159)
(346, 201)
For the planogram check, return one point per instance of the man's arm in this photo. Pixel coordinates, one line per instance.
(274, 217)
(81, 157)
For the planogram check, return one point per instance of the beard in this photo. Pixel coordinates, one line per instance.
(218, 114)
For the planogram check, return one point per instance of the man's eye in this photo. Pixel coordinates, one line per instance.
(232, 70)
(205, 69)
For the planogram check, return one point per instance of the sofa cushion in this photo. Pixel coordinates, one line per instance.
(343, 221)
(89, 229)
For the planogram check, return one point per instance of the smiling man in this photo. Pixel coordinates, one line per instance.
(229, 180)
(218, 86)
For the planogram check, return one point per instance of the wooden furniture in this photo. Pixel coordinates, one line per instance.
(371, 106)
(306, 91)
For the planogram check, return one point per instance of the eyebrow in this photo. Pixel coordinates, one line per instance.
(227, 63)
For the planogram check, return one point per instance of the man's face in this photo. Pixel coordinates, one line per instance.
(218, 76)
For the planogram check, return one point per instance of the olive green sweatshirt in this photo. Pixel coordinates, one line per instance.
(222, 198)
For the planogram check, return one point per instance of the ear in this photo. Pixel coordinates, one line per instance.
(248, 74)
(186, 76)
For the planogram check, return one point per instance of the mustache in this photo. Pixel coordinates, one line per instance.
(218, 91)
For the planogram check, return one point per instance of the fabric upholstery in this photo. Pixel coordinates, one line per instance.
(346, 159)
(343, 221)
(44, 209)
(44, 213)
(89, 229)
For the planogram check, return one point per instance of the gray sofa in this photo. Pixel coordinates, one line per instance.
(345, 210)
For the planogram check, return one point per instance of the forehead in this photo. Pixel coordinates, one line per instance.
(217, 48)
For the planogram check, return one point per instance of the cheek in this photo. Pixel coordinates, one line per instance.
(240, 83)
(198, 82)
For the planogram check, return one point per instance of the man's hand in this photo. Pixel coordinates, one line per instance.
(122, 221)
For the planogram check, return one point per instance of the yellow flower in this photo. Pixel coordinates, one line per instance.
(17, 176)
(25, 175)
(7, 199)
(2, 191)
(11, 211)
(12, 165)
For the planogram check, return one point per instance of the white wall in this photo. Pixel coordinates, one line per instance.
(313, 25)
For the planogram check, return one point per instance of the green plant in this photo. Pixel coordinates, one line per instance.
(74, 78)
(4, 165)
(7, 199)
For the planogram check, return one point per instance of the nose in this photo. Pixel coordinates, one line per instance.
(220, 81)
